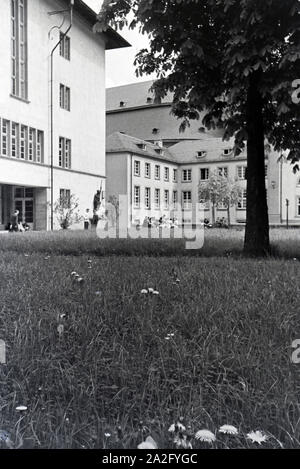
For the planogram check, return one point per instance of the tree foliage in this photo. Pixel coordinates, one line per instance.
(233, 64)
(205, 52)
(66, 209)
(220, 190)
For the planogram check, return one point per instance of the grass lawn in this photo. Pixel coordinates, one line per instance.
(86, 358)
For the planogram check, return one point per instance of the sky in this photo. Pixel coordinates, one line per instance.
(119, 63)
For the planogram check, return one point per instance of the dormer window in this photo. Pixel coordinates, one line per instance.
(159, 151)
(201, 153)
(142, 146)
(227, 151)
(155, 131)
(122, 104)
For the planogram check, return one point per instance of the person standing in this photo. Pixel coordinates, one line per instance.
(87, 219)
(15, 221)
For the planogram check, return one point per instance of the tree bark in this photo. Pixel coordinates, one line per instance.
(228, 216)
(257, 222)
(213, 213)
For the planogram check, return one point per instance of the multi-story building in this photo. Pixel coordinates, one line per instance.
(132, 110)
(160, 181)
(52, 107)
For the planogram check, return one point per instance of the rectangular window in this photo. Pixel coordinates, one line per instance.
(19, 48)
(39, 146)
(204, 174)
(19, 141)
(14, 140)
(64, 153)
(65, 197)
(186, 175)
(241, 172)
(65, 46)
(64, 97)
(298, 206)
(174, 175)
(23, 142)
(167, 199)
(147, 170)
(222, 206)
(4, 137)
(147, 198)
(266, 171)
(157, 198)
(223, 171)
(242, 204)
(137, 196)
(157, 172)
(187, 200)
(31, 145)
(203, 204)
(167, 174)
(175, 199)
(137, 168)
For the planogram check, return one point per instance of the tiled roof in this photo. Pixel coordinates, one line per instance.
(118, 142)
(133, 95)
(212, 148)
(184, 152)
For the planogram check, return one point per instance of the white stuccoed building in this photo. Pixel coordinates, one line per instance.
(51, 143)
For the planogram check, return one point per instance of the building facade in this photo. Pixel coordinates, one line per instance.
(132, 110)
(160, 181)
(52, 127)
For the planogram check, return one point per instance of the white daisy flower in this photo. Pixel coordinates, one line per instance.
(205, 435)
(257, 437)
(155, 292)
(107, 435)
(144, 292)
(21, 408)
(229, 430)
(177, 427)
(98, 293)
(149, 443)
(150, 290)
(60, 329)
(73, 274)
(80, 280)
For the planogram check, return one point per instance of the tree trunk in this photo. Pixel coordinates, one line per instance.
(228, 216)
(257, 223)
(213, 214)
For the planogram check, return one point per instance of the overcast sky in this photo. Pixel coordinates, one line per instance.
(119, 63)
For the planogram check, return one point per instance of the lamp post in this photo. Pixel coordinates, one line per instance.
(287, 203)
(70, 10)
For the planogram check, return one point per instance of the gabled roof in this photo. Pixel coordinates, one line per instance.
(113, 39)
(118, 142)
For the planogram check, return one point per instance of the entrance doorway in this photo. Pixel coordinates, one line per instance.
(24, 203)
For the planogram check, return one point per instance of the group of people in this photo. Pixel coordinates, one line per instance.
(15, 225)
(162, 222)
